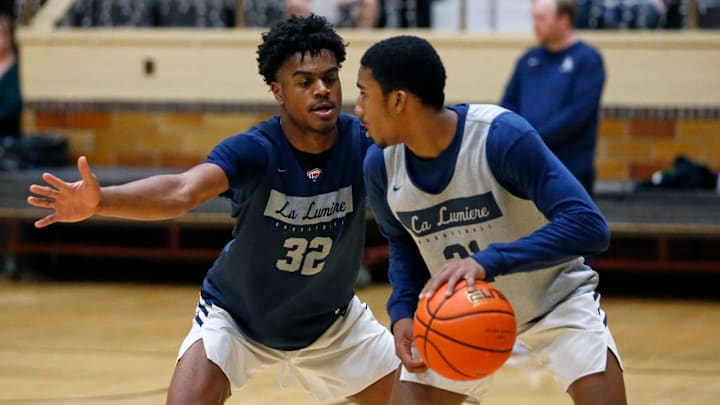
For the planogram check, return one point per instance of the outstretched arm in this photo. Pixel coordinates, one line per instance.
(156, 197)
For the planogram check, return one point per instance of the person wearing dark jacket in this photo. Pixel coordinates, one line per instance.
(557, 86)
(10, 96)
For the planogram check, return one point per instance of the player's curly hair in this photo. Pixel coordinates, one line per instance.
(307, 35)
(409, 63)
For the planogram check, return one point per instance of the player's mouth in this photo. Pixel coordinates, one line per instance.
(323, 110)
(367, 132)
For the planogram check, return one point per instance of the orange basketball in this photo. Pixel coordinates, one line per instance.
(465, 336)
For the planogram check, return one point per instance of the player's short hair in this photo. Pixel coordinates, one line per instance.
(408, 63)
(566, 7)
(307, 35)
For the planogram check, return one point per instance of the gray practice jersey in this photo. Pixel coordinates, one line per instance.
(474, 211)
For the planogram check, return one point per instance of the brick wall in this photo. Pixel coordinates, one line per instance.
(140, 136)
(632, 144)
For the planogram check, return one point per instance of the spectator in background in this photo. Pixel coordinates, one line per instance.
(647, 14)
(340, 13)
(557, 87)
(298, 7)
(405, 13)
(10, 98)
(358, 13)
(343, 13)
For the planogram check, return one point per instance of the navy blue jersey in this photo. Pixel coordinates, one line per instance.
(299, 233)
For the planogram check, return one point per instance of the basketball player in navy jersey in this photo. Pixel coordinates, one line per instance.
(471, 192)
(282, 290)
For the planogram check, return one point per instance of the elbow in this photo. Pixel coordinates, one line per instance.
(605, 237)
(600, 237)
(588, 235)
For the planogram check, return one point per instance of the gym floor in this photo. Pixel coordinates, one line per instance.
(74, 341)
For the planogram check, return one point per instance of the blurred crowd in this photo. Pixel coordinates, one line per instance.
(253, 13)
(591, 14)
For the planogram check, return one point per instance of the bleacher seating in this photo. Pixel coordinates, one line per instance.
(151, 13)
(631, 14)
(22, 10)
(708, 14)
(111, 13)
(591, 14)
(646, 14)
(196, 13)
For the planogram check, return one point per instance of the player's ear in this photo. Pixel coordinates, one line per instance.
(277, 92)
(399, 100)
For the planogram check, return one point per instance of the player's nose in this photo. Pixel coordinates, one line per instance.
(321, 89)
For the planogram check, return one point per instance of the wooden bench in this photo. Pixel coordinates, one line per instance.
(660, 230)
(651, 230)
(175, 239)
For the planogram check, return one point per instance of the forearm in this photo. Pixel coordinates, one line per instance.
(569, 236)
(408, 274)
(566, 123)
(151, 198)
(156, 197)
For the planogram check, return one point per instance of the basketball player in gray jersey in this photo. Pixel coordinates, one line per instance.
(282, 290)
(471, 192)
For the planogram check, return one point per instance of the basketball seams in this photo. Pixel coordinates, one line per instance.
(488, 311)
(445, 360)
(460, 342)
(427, 327)
(488, 303)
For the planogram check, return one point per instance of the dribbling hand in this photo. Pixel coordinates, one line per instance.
(72, 202)
(403, 332)
(467, 269)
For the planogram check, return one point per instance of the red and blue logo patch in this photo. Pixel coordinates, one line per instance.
(314, 174)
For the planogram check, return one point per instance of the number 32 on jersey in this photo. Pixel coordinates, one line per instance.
(305, 255)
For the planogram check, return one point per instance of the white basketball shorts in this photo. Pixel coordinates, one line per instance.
(570, 342)
(352, 354)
